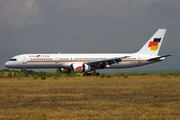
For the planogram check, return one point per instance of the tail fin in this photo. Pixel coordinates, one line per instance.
(154, 43)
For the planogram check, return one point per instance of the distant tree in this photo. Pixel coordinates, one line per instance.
(30, 72)
(5, 70)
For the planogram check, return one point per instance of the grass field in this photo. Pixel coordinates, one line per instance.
(136, 97)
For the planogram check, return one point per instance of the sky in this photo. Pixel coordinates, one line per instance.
(89, 26)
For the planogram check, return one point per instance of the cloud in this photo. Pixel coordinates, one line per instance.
(18, 13)
(23, 13)
(64, 25)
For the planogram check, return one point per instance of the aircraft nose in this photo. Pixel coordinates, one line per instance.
(6, 64)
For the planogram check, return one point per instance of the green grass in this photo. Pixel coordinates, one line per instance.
(56, 77)
(169, 72)
(120, 73)
(103, 75)
(43, 77)
(108, 76)
(35, 77)
(125, 76)
(20, 74)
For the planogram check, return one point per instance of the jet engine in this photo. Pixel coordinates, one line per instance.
(77, 67)
(64, 70)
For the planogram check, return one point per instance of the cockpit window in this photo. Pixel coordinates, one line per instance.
(13, 59)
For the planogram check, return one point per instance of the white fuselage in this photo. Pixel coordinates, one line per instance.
(90, 62)
(33, 61)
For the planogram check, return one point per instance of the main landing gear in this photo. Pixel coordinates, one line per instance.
(90, 74)
(94, 73)
(68, 71)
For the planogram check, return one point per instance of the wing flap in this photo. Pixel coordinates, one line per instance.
(106, 61)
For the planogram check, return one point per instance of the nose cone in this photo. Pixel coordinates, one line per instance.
(7, 64)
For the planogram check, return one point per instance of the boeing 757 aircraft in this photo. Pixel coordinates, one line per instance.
(85, 63)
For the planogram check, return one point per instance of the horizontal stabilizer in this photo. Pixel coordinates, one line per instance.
(157, 58)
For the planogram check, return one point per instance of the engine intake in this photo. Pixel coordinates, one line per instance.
(80, 68)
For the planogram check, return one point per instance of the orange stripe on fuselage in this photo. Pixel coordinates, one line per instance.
(59, 61)
(82, 61)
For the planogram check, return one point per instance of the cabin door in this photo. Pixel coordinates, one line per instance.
(24, 60)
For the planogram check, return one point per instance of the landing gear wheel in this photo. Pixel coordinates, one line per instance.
(97, 74)
(86, 74)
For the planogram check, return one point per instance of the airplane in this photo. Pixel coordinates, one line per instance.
(86, 63)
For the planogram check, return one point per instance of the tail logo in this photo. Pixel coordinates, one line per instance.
(154, 44)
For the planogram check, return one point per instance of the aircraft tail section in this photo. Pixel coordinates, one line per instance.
(154, 43)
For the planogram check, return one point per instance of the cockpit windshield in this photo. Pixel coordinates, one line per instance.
(13, 59)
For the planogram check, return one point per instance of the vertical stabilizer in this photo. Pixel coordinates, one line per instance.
(154, 43)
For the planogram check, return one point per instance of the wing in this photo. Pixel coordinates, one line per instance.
(103, 63)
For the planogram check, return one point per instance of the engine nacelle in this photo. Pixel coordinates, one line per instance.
(64, 70)
(78, 67)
